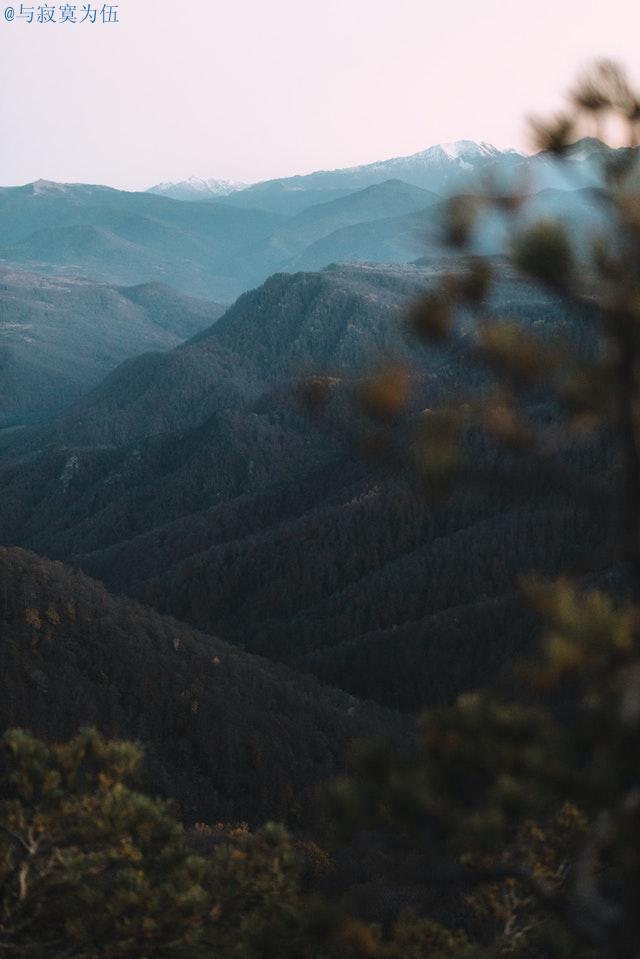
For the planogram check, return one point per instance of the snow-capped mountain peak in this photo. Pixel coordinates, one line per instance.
(468, 149)
(460, 154)
(197, 188)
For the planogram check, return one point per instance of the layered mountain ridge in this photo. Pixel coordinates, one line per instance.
(194, 482)
(221, 246)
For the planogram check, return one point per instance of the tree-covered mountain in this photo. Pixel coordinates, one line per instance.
(193, 481)
(227, 734)
(340, 318)
(60, 336)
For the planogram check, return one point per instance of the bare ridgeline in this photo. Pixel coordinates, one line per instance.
(390, 491)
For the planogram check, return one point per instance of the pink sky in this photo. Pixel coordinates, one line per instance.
(261, 88)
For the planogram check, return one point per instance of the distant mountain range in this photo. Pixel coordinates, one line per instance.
(217, 248)
(202, 248)
(436, 169)
(128, 238)
(443, 169)
(115, 255)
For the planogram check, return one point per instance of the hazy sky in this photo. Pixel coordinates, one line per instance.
(254, 89)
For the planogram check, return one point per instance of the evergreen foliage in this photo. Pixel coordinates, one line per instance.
(529, 807)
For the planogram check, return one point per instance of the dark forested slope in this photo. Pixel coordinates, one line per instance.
(194, 482)
(227, 734)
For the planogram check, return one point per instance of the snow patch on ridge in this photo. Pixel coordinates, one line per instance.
(195, 184)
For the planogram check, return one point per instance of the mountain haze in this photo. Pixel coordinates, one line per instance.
(127, 238)
(60, 336)
(445, 169)
(222, 246)
(441, 169)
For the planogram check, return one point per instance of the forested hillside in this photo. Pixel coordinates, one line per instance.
(59, 337)
(227, 734)
(319, 496)
(195, 481)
